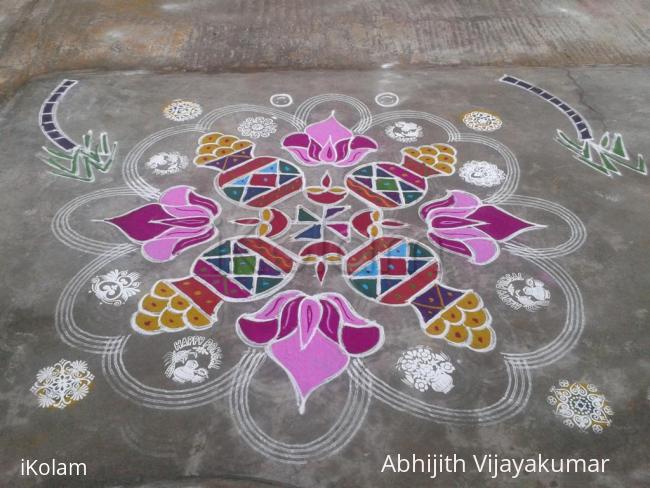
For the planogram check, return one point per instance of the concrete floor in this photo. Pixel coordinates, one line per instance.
(41, 36)
(136, 427)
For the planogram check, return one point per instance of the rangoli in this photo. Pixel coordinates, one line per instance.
(324, 225)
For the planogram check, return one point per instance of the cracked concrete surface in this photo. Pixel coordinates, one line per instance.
(41, 36)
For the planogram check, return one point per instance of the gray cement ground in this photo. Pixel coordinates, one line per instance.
(125, 443)
(443, 58)
(41, 36)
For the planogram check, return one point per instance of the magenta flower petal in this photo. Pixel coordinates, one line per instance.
(360, 341)
(342, 149)
(484, 251)
(363, 142)
(328, 142)
(193, 222)
(462, 224)
(348, 315)
(289, 317)
(354, 157)
(302, 155)
(330, 320)
(142, 223)
(328, 153)
(176, 195)
(449, 221)
(426, 209)
(193, 241)
(326, 130)
(257, 332)
(315, 150)
(206, 203)
(310, 367)
(181, 219)
(166, 246)
(273, 308)
(499, 224)
(451, 245)
(309, 316)
(311, 338)
(295, 140)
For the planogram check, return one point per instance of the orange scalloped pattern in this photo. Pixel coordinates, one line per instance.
(215, 145)
(441, 157)
(165, 309)
(465, 323)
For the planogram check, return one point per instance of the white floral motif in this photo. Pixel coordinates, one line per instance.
(257, 127)
(191, 359)
(182, 110)
(581, 406)
(167, 163)
(424, 369)
(482, 173)
(403, 131)
(482, 121)
(62, 384)
(115, 287)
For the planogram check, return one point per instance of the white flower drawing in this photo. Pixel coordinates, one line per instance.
(257, 127)
(167, 163)
(78, 367)
(424, 369)
(64, 383)
(115, 287)
(482, 121)
(482, 173)
(182, 110)
(45, 374)
(581, 406)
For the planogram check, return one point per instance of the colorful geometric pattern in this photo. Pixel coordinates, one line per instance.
(245, 179)
(386, 185)
(391, 269)
(243, 268)
(316, 226)
(261, 181)
(391, 185)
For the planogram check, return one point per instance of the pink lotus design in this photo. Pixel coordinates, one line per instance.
(181, 219)
(311, 337)
(328, 142)
(462, 224)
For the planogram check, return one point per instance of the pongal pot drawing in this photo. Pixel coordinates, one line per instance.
(392, 185)
(398, 271)
(253, 181)
(236, 269)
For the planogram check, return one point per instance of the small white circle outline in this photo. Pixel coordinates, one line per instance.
(387, 94)
(278, 95)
